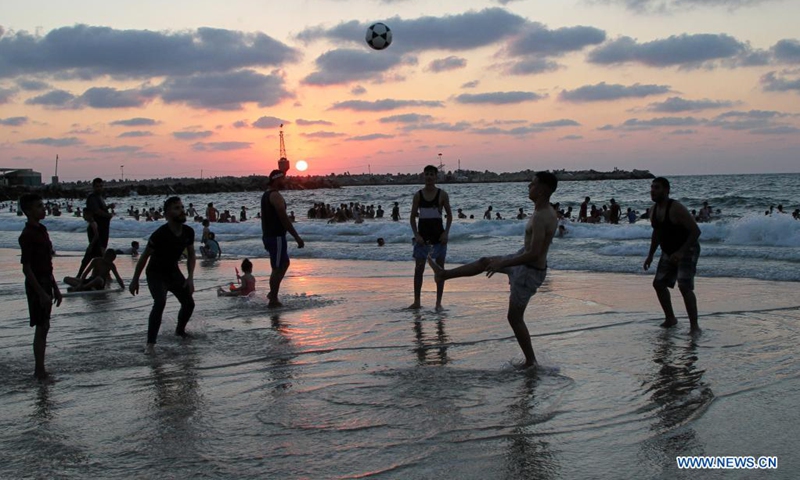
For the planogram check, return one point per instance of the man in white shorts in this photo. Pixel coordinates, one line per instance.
(527, 268)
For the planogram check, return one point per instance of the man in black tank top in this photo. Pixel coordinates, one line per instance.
(430, 236)
(677, 233)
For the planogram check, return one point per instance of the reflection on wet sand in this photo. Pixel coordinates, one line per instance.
(430, 351)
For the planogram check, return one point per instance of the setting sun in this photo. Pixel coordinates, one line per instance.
(301, 165)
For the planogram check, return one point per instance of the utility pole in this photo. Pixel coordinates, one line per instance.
(201, 174)
(369, 169)
(122, 172)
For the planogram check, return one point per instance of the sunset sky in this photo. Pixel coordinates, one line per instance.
(173, 88)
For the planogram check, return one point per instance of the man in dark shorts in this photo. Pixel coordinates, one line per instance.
(527, 268)
(274, 225)
(166, 245)
(430, 236)
(40, 286)
(100, 213)
(677, 233)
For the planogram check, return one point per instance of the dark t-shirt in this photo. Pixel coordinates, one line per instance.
(271, 225)
(37, 250)
(167, 248)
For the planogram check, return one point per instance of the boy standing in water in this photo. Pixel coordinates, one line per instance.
(40, 286)
(527, 268)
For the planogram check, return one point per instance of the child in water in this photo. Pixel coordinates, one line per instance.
(248, 282)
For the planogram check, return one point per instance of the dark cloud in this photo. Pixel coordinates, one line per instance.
(606, 127)
(604, 92)
(383, 105)
(636, 124)
(557, 123)
(192, 135)
(6, 94)
(538, 40)
(55, 142)
(304, 123)
(774, 82)
(787, 51)
(530, 66)
(13, 121)
(498, 98)
(87, 52)
(32, 85)
(322, 134)
(220, 146)
(117, 149)
(465, 31)
(342, 66)
(358, 90)
(678, 50)
(53, 99)
(446, 64)
(570, 137)
(439, 127)
(135, 122)
(269, 122)
(754, 114)
(372, 136)
(406, 118)
(135, 134)
(670, 6)
(106, 97)
(225, 91)
(241, 124)
(82, 131)
(471, 84)
(678, 104)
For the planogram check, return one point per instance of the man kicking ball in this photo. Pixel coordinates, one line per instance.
(527, 268)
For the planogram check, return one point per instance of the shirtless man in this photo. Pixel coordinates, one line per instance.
(527, 268)
(96, 275)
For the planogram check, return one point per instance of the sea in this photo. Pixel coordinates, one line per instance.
(345, 381)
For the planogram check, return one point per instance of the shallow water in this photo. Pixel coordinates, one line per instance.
(345, 383)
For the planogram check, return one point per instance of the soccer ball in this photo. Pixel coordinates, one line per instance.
(379, 36)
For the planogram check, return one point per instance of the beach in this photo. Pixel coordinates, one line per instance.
(345, 382)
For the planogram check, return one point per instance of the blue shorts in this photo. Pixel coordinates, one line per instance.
(438, 251)
(278, 253)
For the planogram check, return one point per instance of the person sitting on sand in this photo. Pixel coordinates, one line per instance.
(211, 249)
(248, 281)
(97, 275)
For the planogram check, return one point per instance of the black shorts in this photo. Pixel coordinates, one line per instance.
(40, 316)
(683, 272)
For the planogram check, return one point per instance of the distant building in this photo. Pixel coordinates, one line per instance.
(20, 176)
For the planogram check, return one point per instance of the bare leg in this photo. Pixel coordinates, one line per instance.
(690, 300)
(39, 346)
(439, 288)
(419, 269)
(275, 279)
(516, 318)
(468, 270)
(666, 304)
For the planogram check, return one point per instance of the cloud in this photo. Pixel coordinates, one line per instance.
(678, 104)
(530, 66)
(192, 135)
(13, 121)
(518, 131)
(689, 51)
(498, 98)
(135, 134)
(465, 31)
(135, 122)
(6, 94)
(471, 84)
(54, 99)
(406, 118)
(343, 66)
(636, 124)
(776, 130)
(322, 134)
(225, 91)
(773, 82)
(87, 52)
(440, 127)
(570, 137)
(670, 6)
(557, 123)
(358, 90)
(55, 142)
(446, 64)
(268, 122)
(754, 114)
(220, 146)
(32, 85)
(82, 131)
(241, 124)
(683, 131)
(763, 121)
(383, 105)
(538, 40)
(117, 149)
(605, 92)
(787, 51)
(304, 123)
(366, 138)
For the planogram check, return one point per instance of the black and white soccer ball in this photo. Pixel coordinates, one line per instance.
(379, 36)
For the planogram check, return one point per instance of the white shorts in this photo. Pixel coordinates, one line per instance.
(524, 281)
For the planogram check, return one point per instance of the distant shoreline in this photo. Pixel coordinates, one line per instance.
(181, 186)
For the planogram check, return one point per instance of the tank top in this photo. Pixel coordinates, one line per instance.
(670, 236)
(430, 225)
(271, 225)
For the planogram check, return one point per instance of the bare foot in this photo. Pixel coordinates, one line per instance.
(42, 376)
(439, 308)
(669, 323)
(150, 349)
(524, 365)
(414, 306)
(438, 272)
(695, 329)
(274, 304)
